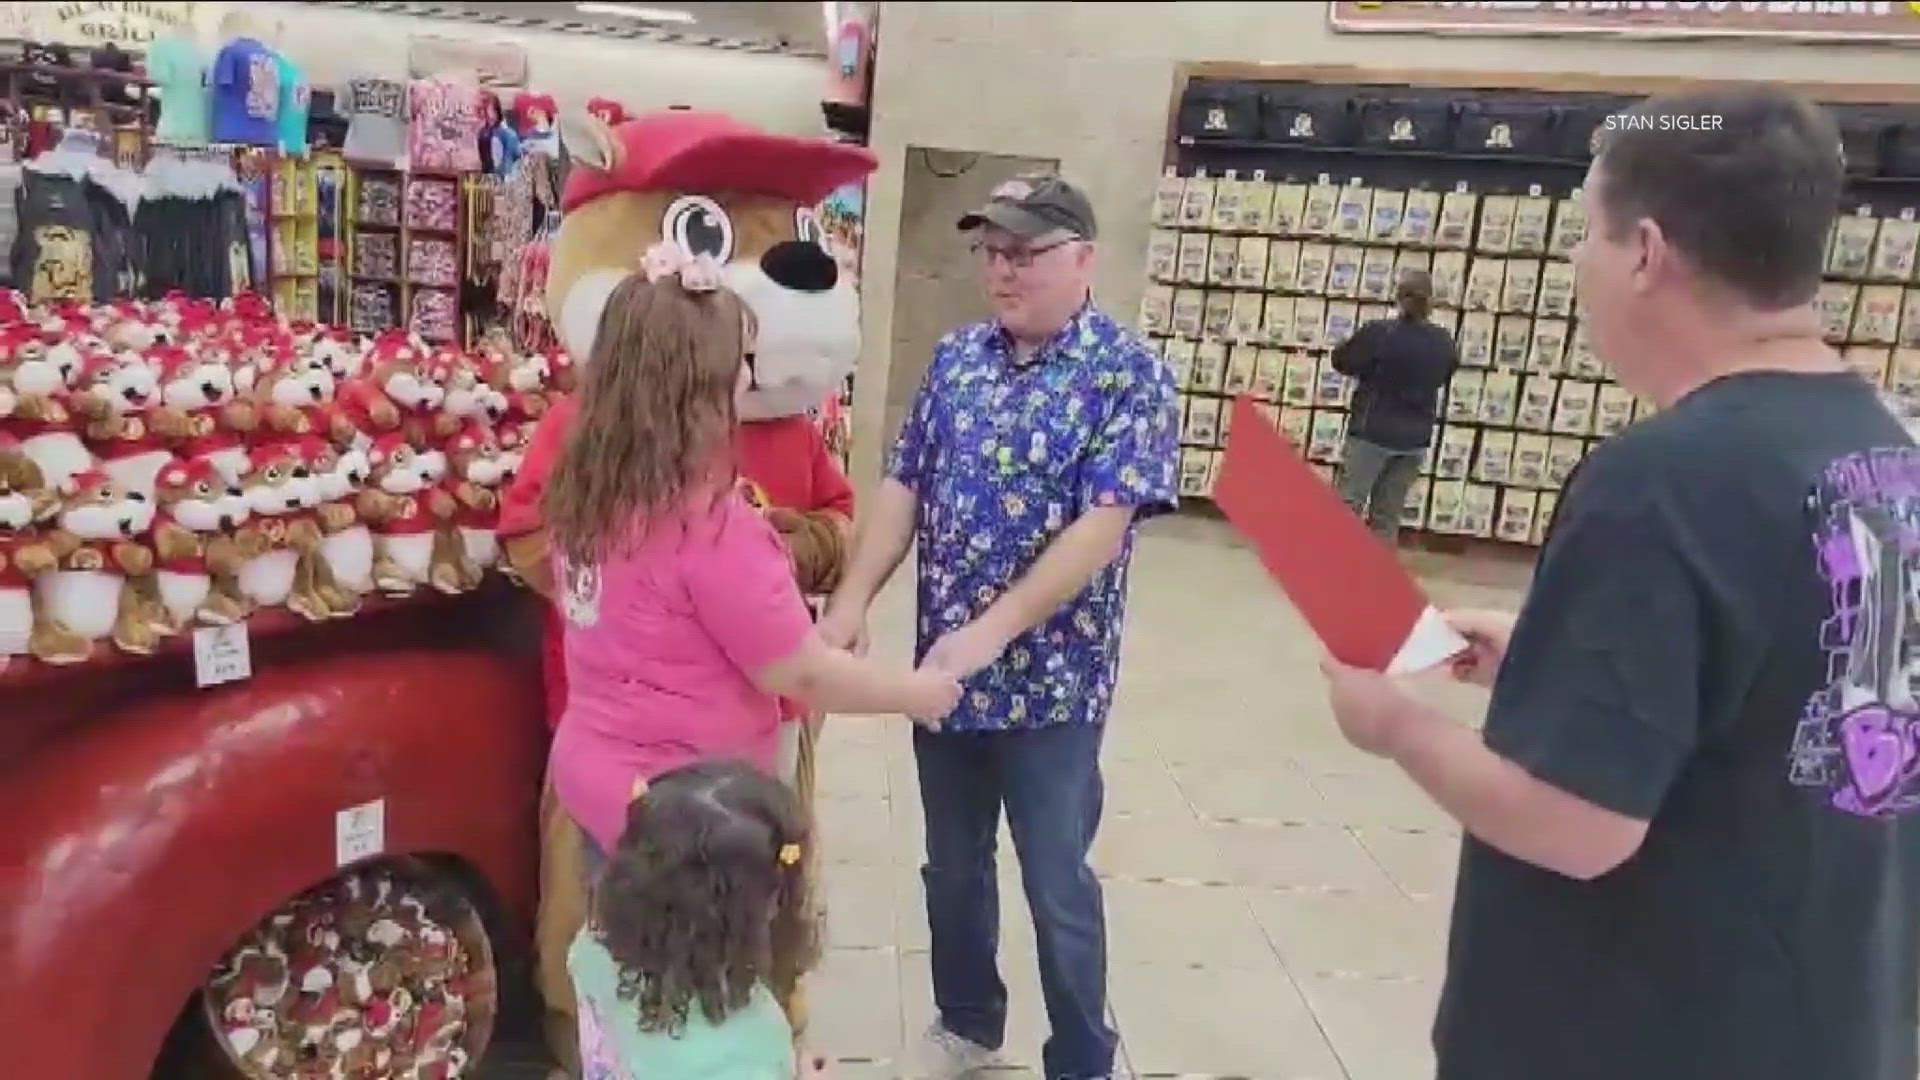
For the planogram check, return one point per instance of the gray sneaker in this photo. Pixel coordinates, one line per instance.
(946, 1056)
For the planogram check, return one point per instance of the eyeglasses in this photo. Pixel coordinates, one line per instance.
(1019, 258)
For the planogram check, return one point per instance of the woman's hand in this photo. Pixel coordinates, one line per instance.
(935, 694)
(1487, 634)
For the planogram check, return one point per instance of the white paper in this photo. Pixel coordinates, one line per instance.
(360, 832)
(221, 654)
(1431, 643)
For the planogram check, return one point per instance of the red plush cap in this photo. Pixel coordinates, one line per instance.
(88, 480)
(609, 111)
(525, 103)
(686, 151)
(385, 446)
(182, 473)
(268, 453)
(312, 448)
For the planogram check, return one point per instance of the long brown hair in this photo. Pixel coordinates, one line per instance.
(656, 414)
(704, 899)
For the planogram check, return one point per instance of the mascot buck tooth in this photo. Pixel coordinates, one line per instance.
(746, 198)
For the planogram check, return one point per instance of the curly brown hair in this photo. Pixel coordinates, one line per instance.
(656, 414)
(705, 897)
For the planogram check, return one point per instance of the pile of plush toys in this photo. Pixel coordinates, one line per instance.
(181, 462)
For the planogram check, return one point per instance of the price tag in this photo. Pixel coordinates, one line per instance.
(360, 832)
(221, 654)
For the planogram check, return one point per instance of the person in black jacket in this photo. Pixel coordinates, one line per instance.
(1399, 364)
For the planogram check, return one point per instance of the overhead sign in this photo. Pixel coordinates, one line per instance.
(132, 23)
(1878, 22)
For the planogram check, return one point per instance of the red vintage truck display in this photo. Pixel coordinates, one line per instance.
(271, 724)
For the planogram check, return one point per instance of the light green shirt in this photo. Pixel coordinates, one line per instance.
(753, 1044)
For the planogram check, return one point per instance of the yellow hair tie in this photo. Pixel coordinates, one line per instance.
(789, 854)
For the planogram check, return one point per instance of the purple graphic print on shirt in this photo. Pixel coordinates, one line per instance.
(1859, 735)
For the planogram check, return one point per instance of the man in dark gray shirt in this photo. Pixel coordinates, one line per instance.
(1691, 848)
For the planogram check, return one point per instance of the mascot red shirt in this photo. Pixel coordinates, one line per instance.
(716, 187)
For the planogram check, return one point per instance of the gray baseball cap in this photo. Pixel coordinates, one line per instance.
(1031, 207)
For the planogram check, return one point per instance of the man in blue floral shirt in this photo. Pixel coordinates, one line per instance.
(1037, 442)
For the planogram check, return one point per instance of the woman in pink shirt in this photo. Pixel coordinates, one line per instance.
(684, 626)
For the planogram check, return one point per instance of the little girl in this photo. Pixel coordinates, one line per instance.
(684, 625)
(698, 926)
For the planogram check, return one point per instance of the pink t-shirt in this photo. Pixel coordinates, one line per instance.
(659, 643)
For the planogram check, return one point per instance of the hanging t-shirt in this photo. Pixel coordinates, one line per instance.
(444, 134)
(294, 99)
(179, 69)
(246, 94)
(376, 112)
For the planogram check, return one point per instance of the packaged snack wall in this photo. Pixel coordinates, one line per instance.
(1288, 211)
(405, 256)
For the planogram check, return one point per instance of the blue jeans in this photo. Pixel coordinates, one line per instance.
(1049, 781)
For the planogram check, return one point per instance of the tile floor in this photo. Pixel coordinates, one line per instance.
(1276, 901)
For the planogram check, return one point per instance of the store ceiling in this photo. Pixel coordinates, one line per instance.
(797, 26)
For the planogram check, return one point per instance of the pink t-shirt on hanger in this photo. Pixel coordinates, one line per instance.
(660, 641)
(443, 126)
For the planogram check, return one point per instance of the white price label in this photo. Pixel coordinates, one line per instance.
(360, 832)
(221, 654)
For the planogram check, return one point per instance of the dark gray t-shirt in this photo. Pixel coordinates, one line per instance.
(1723, 639)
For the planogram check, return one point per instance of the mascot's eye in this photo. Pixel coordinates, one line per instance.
(807, 228)
(202, 489)
(699, 226)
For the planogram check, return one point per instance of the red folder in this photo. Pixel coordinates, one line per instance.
(1352, 590)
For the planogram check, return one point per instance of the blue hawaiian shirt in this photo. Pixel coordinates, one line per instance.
(1004, 455)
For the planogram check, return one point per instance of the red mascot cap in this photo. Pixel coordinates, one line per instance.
(685, 151)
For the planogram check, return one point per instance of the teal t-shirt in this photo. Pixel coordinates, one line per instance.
(178, 67)
(753, 1044)
(295, 98)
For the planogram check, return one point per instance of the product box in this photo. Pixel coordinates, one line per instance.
(1156, 309)
(1548, 352)
(1904, 381)
(1276, 320)
(1446, 506)
(1283, 263)
(1563, 456)
(1449, 277)
(1496, 224)
(1196, 204)
(1329, 436)
(1517, 509)
(1196, 466)
(1269, 372)
(1852, 249)
(1223, 259)
(1250, 265)
(1343, 317)
(1289, 208)
(1894, 254)
(1315, 262)
(1581, 363)
(1297, 426)
(1494, 462)
(1532, 217)
(1226, 423)
(1189, 312)
(1543, 517)
(1877, 322)
(1376, 274)
(1181, 357)
(1167, 197)
(1190, 258)
(1520, 285)
(1573, 413)
(1530, 460)
(1269, 412)
(1414, 514)
(1454, 228)
(1420, 217)
(1873, 362)
(1475, 339)
(1556, 290)
(1317, 219)
(1837, 302)
(1426, 459)
(1256, 204)
(1500, 398)
(1447, 319)
(1909, 336)
(1353, 212)
(1214, 460)
(1389, 207)
(1463, 396)
(1613, 410)
(1406, 260)
(1210, 366)
(1375, 312)
(1203, 421)
(1453, 454)
(1331, 390)
(1216, 317)
(1535, 411)
(1309, 321)
(1226, 204)
(1512, 337)
(1478, 504)
(1248, 312)
(1299, 379)
(1163, 255)
(1569, 225)
(1484, 279)
(1343, 272)
(1243, 364)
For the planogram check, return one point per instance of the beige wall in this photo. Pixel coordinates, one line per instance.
(1089, 83)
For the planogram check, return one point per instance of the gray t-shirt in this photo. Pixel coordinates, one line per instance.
(376, 111)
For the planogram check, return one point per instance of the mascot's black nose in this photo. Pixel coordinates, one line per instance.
(801, 266)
